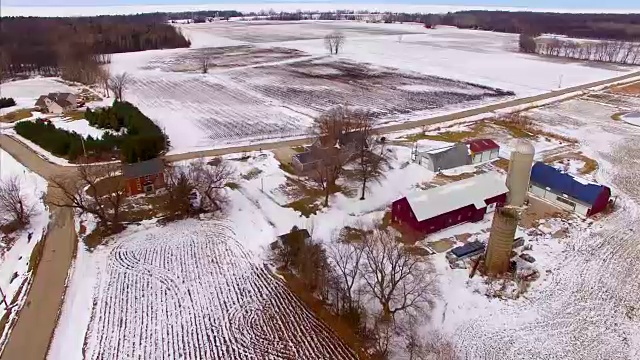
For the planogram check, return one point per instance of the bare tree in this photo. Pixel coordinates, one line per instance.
(210, 182)
(370, 157)
(204, 63)
(334, 42)
(398, 280)
(84, 190)
(104, 77)
(179, 188)
(14, 203)
(333, 148)
(346, 259)
(118, 84)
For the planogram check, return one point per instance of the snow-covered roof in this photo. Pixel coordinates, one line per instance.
(443, 199)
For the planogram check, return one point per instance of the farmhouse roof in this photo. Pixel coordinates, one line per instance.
(559, 181)
(443, 199)
(40, 102)
(143, 168)
(482, 145)
(307, 157)
(345, 139)
(449, 157)
(301, 234)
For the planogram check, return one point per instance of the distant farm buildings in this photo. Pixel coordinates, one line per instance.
(567, 191)
(482, 150)
(460, 154)
(144, 177)
(438, 208)
(57, 103)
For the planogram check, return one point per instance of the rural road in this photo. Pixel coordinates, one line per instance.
(37, 320)
(405, 125)
(31, 336)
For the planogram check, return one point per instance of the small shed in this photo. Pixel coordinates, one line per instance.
(462, 201)
(144, 177)
(567, 191)
(482, 150)
(444, 158)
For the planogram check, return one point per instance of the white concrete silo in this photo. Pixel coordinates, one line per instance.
(519, 172)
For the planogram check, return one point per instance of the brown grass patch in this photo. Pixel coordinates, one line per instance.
(522, 126)
(19, 114)
(631, 89)
(36, 256)
(450, 136)
(318, 308)
(502, 163)
(441, 246)
(306, 206)
(74, 115)
(590, 165)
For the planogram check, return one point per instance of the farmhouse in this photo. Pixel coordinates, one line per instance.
(56, 103)
(438, 208)
(567, 191)
(144, 177)
(482, 150)
(292, 239)
(346, 146)
(444, 158)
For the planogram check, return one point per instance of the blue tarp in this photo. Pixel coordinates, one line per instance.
(561, 182)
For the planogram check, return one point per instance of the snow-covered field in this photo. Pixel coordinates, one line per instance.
(187, 288)
(14, 257)
(392, 70)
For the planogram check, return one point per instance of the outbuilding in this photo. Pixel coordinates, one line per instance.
(567, 191)
(144, 177)
(462, 201)
(444, 158)
(482, 150)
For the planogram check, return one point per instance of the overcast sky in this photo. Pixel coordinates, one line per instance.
(576, 4)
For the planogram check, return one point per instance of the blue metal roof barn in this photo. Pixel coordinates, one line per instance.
(559, 181)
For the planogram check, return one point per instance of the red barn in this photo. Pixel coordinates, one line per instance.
(144, 177)
(438, 208)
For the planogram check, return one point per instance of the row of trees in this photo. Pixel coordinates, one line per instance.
(84, 191)
(620, 52)
(67, 144)
(140, 139)
(351, 276)
(75, 47)
(594, 26)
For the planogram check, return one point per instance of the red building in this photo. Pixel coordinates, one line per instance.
(144, 177)
(438, 208)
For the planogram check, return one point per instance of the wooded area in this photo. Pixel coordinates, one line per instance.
(592, 26)
(619, 52)
(141, 139)
(74, 47)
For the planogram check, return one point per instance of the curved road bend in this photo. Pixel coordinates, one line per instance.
(31, 336)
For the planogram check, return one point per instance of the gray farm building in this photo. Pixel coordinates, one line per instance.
(444, 158)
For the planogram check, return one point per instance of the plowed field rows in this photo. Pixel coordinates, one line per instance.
(190, 291)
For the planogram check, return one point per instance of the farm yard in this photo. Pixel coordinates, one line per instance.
(267, 80)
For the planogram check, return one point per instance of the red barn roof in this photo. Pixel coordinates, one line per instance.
(482, 145)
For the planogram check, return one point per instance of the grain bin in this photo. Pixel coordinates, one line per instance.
(519, 172)
(503, 231)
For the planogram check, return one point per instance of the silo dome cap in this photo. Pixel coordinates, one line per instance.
(524, 147)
